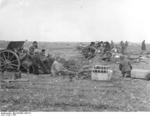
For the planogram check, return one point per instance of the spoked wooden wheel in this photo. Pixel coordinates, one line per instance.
(9, 61)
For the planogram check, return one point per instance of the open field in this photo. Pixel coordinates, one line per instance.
(56, 94)
(47, 93)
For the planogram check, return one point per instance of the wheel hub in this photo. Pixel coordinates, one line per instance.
(7, 62)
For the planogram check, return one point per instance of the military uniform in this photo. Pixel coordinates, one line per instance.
(125, 68)
(33, 52)
(56, 68)
(36, 61)
(44, 64)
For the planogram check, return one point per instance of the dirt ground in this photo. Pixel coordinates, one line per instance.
(47, 93)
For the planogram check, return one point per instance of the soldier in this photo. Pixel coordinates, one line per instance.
(92, 44)
(33, 48)
(125, 67)
(57, 67)
(43, 55)
(107, 47)
(36, 62)
(101, 48)
(44, 61)
(34, 54)
(50, 59)
(91, 52)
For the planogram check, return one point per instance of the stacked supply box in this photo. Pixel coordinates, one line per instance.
(101, 72)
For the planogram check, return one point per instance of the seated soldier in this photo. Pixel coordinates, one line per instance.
(91, 52)
(114, 50)
(43, 55)
(125, 67)
(58, 68)
(22, 53)
(36, 61)
(92, 44)
(106, 47)
(50, 60)
(44, 61)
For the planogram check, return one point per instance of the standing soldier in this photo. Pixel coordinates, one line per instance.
(122, 46)
(34, 54)
(125, 67)
(143, 47)
(112, 44)
(33, 48)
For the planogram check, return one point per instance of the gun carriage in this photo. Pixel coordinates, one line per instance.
(10, 58)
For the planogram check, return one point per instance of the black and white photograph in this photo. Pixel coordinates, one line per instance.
(74, 56)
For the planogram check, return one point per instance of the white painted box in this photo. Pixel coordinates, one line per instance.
(101, 72)
(139, 73)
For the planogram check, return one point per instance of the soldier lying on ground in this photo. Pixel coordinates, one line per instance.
(125, 67)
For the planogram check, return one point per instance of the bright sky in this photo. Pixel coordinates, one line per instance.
(75, 20)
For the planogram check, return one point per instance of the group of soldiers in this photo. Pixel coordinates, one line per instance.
(102, 48)
(46, 63)
(107, 50)
(42, 60)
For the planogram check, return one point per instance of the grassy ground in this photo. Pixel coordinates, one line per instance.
(48, 93)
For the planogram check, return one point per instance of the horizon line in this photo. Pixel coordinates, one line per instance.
(71, 41)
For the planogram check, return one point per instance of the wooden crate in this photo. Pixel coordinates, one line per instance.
(140, 73)
(101, 72)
